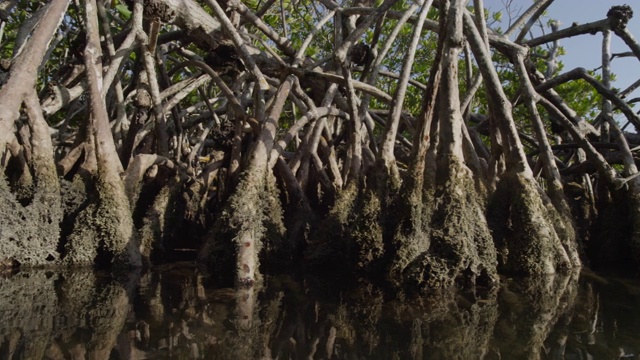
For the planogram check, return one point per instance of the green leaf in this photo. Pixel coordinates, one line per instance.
(124, 11)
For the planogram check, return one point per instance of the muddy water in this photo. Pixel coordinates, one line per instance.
(173, 313)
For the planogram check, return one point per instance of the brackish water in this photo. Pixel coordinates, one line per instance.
(171, 312)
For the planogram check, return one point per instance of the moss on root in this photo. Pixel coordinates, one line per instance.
(252, 218)
(327, 245)
(351, 236)
(367, 232)
(564, 226)
(29, 234)
(103, 233)
(461, 251)
(156, 227)
(525, 233)
(410, 237)
(277, 251)
(173, 225)
(581, 206)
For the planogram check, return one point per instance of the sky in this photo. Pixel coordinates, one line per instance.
(585, 50)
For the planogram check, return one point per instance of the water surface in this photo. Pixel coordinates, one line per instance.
(172, 313)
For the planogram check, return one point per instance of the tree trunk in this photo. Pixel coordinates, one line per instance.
(104, 231)
(461, 249)
(24, 69)
(253, 208)
(30, 222)
(519, 217)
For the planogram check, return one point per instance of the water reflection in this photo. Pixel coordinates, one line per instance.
(171, 313)
(71, 315)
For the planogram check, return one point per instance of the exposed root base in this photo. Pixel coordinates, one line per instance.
(103, 233)
(249, 228)
(351, 238)
(523, 227)
(461, 251)
(29, 234)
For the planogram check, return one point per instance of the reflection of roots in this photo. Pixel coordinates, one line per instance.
(176, 316)
(538, 303)
(460, 331)
(363, 324)
(73, 310)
